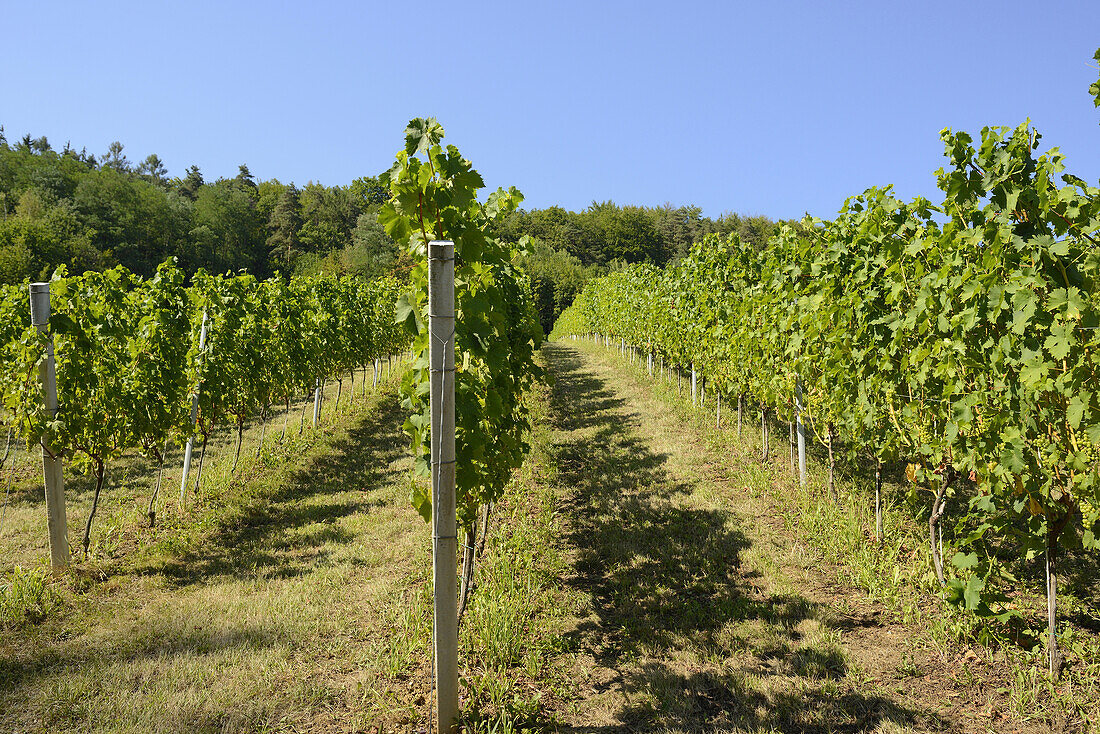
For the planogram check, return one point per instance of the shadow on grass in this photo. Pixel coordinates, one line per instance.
(290, 531)
(693, 644)
(855, 474)
(286, 529)
(167, 638)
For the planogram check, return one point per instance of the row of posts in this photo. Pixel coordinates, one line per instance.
(52, 470)
(696, 400)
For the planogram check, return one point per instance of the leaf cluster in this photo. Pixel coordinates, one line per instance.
(433, 196)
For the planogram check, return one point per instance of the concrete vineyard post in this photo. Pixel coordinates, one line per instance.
(801, 433)
(441, 350)
(190, 447)
(694, 384)
(316, 402)
(53, 478)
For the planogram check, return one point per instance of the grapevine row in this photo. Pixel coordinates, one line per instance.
(960, 337)
(133, 372)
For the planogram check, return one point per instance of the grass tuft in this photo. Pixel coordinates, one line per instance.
(27, 597)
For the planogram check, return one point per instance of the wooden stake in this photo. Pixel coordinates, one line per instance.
(801, 429)
(52, 472)
(441, 312)
(194, 417)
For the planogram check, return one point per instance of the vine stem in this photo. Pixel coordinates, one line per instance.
(202, 458)
(286, 419)
(832, 464)
(240, 440)
(263, 430)
(1055, 659)
(939, 506)
(152, 512)
(100, 472)
(878, 500)
(469, 550)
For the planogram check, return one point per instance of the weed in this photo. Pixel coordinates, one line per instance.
(27, 596)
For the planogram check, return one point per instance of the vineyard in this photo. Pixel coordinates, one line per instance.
(107, 368)
(144, 363)
(959, 338)
(611, 546)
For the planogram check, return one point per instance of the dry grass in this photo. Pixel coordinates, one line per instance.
(641, 574)
(273, 603)
(689, 623)
(893, 650)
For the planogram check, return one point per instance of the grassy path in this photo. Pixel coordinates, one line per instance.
(282, 615)
(699, 611)
(637, 577)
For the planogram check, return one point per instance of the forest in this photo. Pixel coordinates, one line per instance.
(93, 212)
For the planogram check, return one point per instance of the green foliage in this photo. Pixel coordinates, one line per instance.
(605, 232)
(556, 279)
(19, 349)
(434, 197)
(1094, 88)
(92, 213)
(128, 358)
(962, 337)
(270, 340)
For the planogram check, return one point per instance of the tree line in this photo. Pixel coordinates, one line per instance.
(607, 233)
(89, 212)
(94, 212)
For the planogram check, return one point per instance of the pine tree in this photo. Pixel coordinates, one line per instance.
(152, 169)
(284, 224)
(191, 183)
(115, 159)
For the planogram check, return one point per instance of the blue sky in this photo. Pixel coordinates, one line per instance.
(773, 108)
